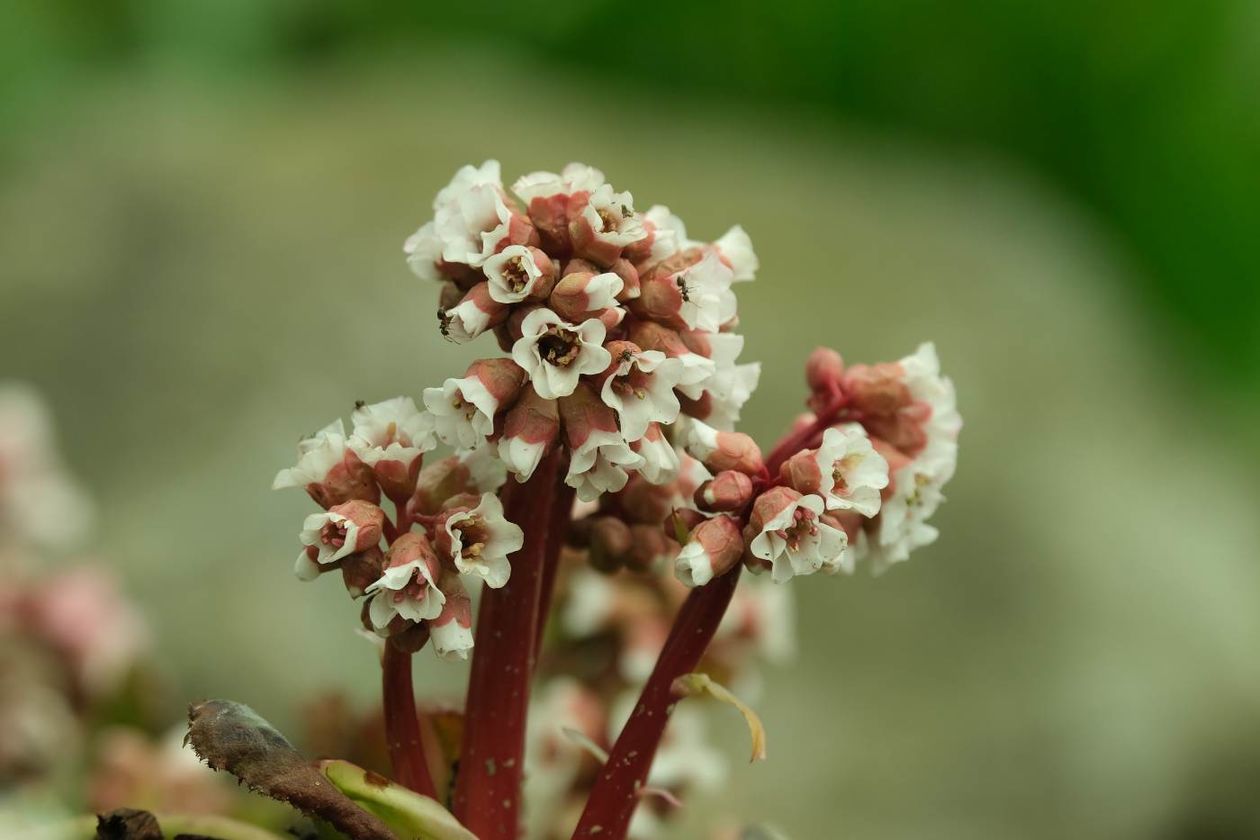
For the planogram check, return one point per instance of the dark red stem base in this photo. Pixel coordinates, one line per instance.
(402, 727)
(616, 792)
(488, 783)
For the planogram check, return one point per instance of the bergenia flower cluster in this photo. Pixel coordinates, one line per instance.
(606, 419)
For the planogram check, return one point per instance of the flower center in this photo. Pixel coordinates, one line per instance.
(333, 534)
(840, 469)
(558, 346)
(462, 406)
(515, 275)
(608, 219)
(473, 536)
(803, 525)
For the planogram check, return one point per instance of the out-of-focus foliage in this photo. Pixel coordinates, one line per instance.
(1147, 112)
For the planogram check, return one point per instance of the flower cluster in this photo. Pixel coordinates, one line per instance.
(409, 578)
(618, 383)
(615, 323)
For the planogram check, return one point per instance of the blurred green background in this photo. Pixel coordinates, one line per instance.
(202, 207)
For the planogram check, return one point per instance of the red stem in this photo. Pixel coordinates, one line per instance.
(561, 516)
(488, 786)
(794, 442)
(616, 791)
(402, 727)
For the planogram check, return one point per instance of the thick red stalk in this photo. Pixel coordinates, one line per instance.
(402, 727)
(616, 792)
(488, 784)
(561, 516)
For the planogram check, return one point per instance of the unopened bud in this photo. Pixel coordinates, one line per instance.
(735, 451)
(359, 571)
(630, 286)
(610, 544)
(368, 521)
(503, 378)
(801, 471)
(644, 502)
(823, 370)
(649, 546)
(729, 490)
(577, 296)
(713, 549)
(473, 315)
(437, 482)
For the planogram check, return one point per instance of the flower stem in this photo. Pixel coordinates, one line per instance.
(802, 438)
(616, 792)
(561, 516)
(402, 727)
(488, 784)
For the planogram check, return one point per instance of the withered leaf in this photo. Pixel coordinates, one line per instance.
(233, 737)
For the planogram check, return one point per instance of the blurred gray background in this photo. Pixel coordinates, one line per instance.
(202, 261)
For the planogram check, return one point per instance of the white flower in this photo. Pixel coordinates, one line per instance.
(393, 430)
(796, 542)
(333, 536)
(599, 465)
(902, 524)
(521, 456)
(451, 632)
(612, 218)
(660, 459)
(481, 540)
(926, 385)
(513, 274)
(555, 354)
(470, 216)
(465, 320)
(737, 251)
(409, 590)
(641, 391)
(317, 455)
(574, 178)
(488, 473)
(669, 234)
(463, 411)
(730, 385)
(707, 299)
(423, 249)
(852, 472)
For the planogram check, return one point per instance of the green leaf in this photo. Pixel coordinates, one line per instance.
(408, 813)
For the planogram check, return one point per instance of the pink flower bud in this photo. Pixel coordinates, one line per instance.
(735, 451)
(630, 286)
(649, 546)
(579, 296)
(680, 522)
(529, 430)
(578, 265)
(438, 482)
(367, 519)
(801, 471)
(450, 296)
(610, 543)
(473, 315)
(349, 479)
(550, 215)
(503, 378)
(729, 490)
(359, 571)
(661, 300)
(715, 546)
(451, 631)
(585, 415)
(644, 502)
(824, 371)
(876, 389)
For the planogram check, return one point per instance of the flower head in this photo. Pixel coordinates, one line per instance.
(555, 354)
(789, 535)
(479, 541)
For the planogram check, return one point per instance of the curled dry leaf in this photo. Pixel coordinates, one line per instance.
(231, 736)
(690, 685)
